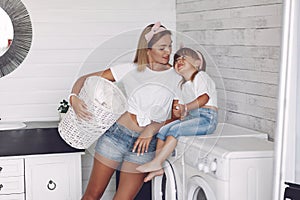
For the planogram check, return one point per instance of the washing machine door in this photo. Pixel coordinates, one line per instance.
(199, 189)
(167, 187)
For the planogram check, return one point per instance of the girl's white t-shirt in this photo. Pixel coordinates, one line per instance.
(149, 93)
(201, 84)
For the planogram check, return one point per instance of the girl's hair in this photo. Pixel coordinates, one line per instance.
(197, 55)
(141, 57)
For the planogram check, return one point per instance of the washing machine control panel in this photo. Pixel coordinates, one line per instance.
(213, 165)
(207, 165)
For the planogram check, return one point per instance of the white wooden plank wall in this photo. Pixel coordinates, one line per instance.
(65, 33)
(243, 39)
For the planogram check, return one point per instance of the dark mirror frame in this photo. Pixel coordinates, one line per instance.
(21, 43)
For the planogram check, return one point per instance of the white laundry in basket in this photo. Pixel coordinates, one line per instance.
(105, 101)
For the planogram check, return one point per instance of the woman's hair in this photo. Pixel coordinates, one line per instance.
(197, 55)
(141, 57)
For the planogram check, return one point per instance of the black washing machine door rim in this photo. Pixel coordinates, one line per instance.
(196, 184)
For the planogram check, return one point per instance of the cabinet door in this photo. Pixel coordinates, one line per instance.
(53, 177)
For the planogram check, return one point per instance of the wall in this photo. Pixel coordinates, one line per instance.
(243, 40)
(65, 33)
(72, 37)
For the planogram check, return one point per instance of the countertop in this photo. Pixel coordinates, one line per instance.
(41, 124)
(35, 138)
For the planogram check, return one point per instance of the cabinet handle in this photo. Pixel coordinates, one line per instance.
(51, 185)
(1, 186)
(1, 169)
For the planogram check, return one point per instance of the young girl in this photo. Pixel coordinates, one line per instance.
(196, 110)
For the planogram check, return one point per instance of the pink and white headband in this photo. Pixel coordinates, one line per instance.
(155, 29)
(198, 54)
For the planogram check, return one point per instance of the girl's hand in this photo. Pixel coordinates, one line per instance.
(80, 108)
(141, 145)
(183, 111)
(176, 110)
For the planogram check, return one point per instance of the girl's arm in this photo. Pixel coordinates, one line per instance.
(197, 103)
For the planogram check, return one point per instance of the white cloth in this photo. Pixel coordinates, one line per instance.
(149, 93)
(202, 84)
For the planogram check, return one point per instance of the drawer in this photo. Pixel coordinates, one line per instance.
(13, 197)
(10, 185)
(12, 167)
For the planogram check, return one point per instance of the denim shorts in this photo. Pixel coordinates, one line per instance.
(117, 143)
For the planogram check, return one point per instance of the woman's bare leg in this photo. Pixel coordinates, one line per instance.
(102, 171)
(130, 182)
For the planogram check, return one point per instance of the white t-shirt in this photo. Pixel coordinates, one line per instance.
(201, 84)
(149, 93)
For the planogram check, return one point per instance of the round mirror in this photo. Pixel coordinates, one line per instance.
(15, 44)
(7, 32)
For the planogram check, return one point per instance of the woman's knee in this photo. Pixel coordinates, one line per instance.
(129, 184)
(91, 197)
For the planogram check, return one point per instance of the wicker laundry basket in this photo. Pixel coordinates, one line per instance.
(105, 101)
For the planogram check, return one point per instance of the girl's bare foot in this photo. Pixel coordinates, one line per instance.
(152, 174)
(149, 167)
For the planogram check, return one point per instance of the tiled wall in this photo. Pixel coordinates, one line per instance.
(243, 40)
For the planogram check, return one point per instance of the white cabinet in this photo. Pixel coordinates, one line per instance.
(36, 177)
(53, 177)
(12, 179)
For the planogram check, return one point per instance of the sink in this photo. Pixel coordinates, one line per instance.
(11, 125)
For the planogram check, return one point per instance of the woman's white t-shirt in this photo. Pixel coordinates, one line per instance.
(149, 93)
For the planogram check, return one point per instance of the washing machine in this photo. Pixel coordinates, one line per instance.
(236, 168)
(173, 184)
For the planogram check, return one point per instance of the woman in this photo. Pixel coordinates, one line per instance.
(150, 84)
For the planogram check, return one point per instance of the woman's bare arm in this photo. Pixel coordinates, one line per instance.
(79, 83)
(78, 105)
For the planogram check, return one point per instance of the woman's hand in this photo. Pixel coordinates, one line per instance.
(80, 108)
(141, 145)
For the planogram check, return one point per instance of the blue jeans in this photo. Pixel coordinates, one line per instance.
(199, 121)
